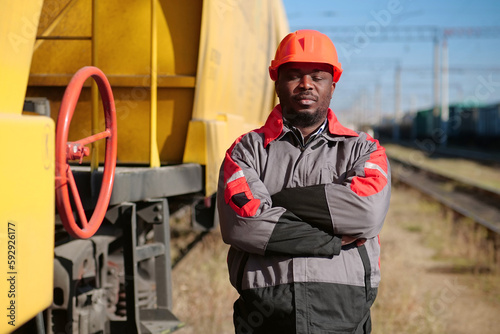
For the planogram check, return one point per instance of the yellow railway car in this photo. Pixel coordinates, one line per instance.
(179, 80)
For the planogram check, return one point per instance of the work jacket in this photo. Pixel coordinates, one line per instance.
(283, 209)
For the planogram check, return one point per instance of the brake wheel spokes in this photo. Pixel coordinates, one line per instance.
(78, 150)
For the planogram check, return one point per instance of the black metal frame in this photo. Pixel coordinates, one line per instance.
(161, 318)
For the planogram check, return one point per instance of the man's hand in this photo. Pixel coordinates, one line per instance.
(347, 239)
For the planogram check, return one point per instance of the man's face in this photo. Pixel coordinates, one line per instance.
(305, 91)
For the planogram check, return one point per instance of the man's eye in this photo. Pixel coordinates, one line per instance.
(317, 77)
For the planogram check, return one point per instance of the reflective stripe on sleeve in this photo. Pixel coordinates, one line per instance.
(235, 176)
(236, 185)
(371, 165)
(375, 170)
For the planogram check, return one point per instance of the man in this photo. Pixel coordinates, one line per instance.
(301, 202)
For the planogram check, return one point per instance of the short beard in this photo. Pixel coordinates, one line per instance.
(304, 120)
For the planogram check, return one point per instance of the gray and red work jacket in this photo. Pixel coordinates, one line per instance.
(284, 208)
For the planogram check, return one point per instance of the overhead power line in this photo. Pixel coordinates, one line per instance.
(375, 31)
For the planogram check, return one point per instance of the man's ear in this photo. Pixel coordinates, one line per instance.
(276, 88)
(334, 84)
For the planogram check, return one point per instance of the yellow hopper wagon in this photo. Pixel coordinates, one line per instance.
(112, 114)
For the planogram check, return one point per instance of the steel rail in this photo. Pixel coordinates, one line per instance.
(478, 203)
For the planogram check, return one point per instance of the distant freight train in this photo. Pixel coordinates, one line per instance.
(468, 126)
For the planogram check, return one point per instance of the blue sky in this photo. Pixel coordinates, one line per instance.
(368, 80)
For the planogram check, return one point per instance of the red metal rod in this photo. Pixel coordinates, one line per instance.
(98, 136)
(77, 200)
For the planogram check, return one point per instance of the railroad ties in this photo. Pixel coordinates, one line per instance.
(459, 195)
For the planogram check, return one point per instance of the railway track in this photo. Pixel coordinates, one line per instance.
(462, 196)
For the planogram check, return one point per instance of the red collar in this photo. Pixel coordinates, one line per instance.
(274, 126)
(338, 129)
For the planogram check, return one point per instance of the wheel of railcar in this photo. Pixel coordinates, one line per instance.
(70, 151)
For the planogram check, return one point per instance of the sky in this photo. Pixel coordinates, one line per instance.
(371, 57)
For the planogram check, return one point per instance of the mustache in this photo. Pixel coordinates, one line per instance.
(307, 96)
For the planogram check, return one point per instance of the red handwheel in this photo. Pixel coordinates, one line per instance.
(67, 151)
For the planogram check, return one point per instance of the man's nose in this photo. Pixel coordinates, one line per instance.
(306, 82)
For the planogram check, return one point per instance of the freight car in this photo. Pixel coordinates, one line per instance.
(178, 80)
(475, 127)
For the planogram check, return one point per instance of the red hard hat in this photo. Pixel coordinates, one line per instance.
(306, 46)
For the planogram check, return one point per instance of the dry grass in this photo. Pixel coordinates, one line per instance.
(401, 307)
(474, 172)
(203, 296)
(433, 271)
(435, 278)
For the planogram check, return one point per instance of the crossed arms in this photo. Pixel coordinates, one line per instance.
(302, 221)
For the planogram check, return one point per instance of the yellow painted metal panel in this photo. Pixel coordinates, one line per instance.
(196, 150)
(281, 27)
(234, 93)
(124, 37)
(17, 34)
(56, 57)
(216, 146)
(124, 55)
(26, 217)
(94, 91)
(174, 114)
(132, 113)
(236, 46)
(179, 24)
(214, 52)
(127, 51)
(154, 159)
(131, 81)
(206, 146)
(51, 10)
(69, 19)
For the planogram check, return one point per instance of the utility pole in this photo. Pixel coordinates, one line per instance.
(413, 110)
(435, 91)
(443, 138)
(397, 103)
(378, 103)
(365, 119)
